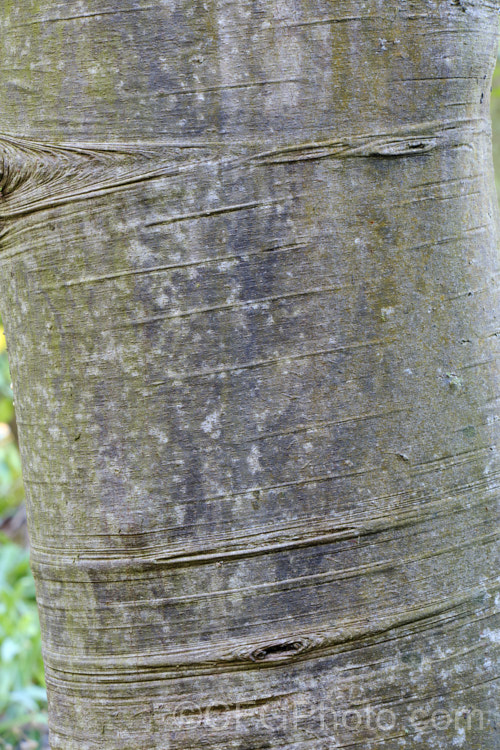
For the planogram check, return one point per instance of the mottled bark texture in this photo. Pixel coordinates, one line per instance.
(248, 266)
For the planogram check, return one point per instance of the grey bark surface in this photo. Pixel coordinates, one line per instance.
(249, 268)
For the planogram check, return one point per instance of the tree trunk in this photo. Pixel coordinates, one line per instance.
(248, 266)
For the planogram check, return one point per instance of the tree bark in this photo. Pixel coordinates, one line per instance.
(249, 275)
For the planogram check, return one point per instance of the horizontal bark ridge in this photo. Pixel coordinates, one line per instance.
(36, 176)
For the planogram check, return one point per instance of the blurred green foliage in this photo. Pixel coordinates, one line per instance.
(11, 485)
(23, 697)
(495, 116)
(22, 686)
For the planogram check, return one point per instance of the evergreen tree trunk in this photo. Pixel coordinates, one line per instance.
(248, 267)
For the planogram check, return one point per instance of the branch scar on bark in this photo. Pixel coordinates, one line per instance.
(37, 176)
